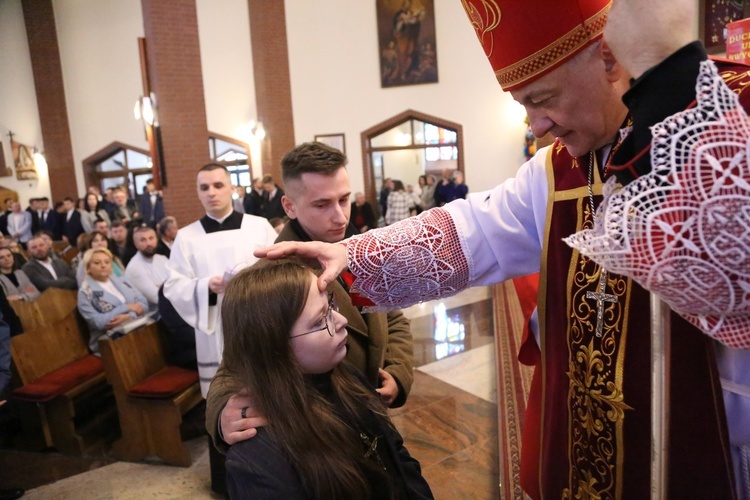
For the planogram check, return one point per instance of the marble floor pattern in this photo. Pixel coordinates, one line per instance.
(449, 423)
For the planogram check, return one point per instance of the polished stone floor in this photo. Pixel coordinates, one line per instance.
(449, 423)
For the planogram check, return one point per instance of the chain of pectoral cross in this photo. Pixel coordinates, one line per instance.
(600, 295)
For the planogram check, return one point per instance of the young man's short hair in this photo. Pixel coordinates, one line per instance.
(311, 157)
(210, 167)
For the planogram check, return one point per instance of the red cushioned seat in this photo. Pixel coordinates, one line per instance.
(61, 380)
(165, 383)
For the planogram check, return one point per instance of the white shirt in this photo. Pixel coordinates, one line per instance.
(110, 287)
(147, 274)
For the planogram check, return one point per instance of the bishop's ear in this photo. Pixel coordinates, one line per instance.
(289, 207)
(612, 68)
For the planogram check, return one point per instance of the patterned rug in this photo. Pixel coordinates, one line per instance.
(513, 302)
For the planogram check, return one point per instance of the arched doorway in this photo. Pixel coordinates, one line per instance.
(406, 146)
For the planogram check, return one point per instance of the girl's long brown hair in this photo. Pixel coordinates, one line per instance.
(259, 309)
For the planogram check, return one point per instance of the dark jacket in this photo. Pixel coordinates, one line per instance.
(43, 279)
(71, 228)
(273, 208)
(52, 224)
(151, 216)
(367, 214)
(258, 469)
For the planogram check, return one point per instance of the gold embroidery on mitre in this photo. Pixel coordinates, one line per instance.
(596, 403)
(484, 23)
(541, 60)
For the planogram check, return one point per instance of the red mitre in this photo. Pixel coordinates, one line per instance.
(524, 40)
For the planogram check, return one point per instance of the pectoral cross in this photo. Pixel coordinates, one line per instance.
(601, 296)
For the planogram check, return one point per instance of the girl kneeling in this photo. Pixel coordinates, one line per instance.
(328, 435)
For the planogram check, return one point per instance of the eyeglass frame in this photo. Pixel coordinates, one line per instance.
(332, 306)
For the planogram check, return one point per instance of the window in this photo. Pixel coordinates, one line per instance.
(233, 154)
(407, 146)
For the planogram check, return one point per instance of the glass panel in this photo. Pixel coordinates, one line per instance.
(113, 182)
(225, 148)
(432, 154)
(137, 160)
(431, 134)
(245, 179)
(113, 163)
(400, 135)
(232, 156)
(419, 132)
(446, 153)
(140, 182)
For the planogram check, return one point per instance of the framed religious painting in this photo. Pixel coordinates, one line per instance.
(407, 42)
(333, 140)
(713, 17)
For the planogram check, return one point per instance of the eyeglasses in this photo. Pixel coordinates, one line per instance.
(330, 326)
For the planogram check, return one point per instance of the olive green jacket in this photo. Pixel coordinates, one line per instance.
(376, 340)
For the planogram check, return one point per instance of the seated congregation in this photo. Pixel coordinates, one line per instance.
(62, 304)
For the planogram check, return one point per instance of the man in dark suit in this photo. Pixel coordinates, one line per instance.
(46, 272)
(4, 217)
(253, 202)
(33, 209)
(272, 195)
(71, 226)
(167, 231)
(49, 220)
(151, 205)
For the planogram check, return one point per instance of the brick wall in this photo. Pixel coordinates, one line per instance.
(273, 94)
(41, 32)
(174, 66)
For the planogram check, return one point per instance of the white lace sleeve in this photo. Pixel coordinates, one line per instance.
(416, 259)
(683, 230)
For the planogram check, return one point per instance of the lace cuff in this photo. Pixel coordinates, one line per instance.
(683, 230)
(417, 259)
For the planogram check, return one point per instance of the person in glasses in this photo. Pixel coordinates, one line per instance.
(327, 434)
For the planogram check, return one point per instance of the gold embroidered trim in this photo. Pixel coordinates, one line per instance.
(596, 403)
(542, 294)
(554, 53)
(484, 24)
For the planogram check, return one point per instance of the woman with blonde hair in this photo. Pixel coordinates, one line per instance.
(106, 301)
(327, 433)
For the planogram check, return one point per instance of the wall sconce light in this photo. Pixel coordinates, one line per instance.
(257, 131)
(145, 109)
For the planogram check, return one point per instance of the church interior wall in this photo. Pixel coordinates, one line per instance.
(102, 73)
(334, 66)
(18, 105)
(227, 62)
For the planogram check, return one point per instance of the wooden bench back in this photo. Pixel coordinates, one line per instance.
(52, 306)
(133, 357)
(46, 348)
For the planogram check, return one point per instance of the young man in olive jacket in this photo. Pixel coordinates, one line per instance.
(380, 344)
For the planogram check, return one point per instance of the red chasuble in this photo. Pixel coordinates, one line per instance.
(591, 437)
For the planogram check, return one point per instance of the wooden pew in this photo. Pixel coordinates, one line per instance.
(64, 389)
(151, 396)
